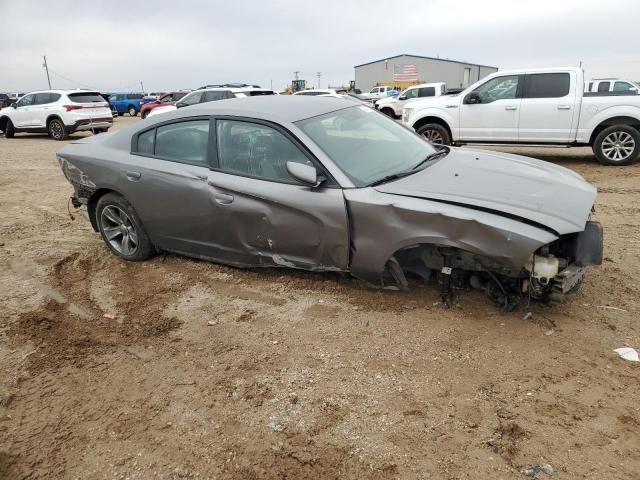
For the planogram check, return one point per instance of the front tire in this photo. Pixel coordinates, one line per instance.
(389, 112)
(56, 129)
(132, 111)
(617, 145)
(435, 133)
(9, 130)
(121, 229)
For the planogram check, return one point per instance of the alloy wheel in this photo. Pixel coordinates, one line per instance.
(119, 230)
(618, 146)
(433, 136)
(55, 129)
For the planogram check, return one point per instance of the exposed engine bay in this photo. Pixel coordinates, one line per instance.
(553, 271)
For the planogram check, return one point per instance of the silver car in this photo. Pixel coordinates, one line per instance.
(322, 184)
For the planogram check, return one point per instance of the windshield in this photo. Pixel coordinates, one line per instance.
(366, 145)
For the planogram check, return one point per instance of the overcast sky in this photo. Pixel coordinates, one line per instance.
(115, 44)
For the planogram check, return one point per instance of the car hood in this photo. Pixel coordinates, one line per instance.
(510, 185)
(387, 100)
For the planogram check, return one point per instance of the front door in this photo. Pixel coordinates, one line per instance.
(491, 111)
(270, 218)
(23, 114)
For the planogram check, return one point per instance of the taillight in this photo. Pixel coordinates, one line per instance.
(72, 107)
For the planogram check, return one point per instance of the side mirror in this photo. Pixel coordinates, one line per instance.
(402, 97)
(14, 105)
(180, 104)
(305, 173)
(472, 99)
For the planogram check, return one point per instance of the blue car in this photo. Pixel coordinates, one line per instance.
(126, 102)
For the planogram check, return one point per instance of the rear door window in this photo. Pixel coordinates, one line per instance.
(185, 142)
(192, 99)
(604, 86)
(427, 92)
(215, 95)
(42, 99)
(547, 85)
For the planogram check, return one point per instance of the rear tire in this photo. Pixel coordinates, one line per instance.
(435, 133)
(9, 130)
(56, 129)
(121, 229)
(617, 145)
(132, 111)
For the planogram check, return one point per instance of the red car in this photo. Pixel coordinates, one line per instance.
(167, 99)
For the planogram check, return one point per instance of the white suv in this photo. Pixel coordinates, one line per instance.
(393, 106)
(57, 112)
(205, 95)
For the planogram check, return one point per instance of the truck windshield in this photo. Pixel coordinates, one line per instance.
(366, 145)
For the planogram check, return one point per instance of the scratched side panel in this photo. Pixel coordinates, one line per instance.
(382, 224)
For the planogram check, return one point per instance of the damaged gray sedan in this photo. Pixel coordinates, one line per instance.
(322, 184)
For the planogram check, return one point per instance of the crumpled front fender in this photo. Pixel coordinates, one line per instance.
(382, 224)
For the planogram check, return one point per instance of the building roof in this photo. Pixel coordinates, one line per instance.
(428, 58)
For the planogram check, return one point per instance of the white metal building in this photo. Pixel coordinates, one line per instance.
(405, 68)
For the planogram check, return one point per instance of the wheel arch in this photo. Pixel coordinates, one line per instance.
(433, 119)
(93, 203)
(54, 116)
(611, 121)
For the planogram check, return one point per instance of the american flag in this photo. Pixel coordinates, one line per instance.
(404, 72)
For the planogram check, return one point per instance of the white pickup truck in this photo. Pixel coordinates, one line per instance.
(533, 107)
(393, 106)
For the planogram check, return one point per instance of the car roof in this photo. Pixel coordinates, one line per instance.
(279, 108)
(63, 92)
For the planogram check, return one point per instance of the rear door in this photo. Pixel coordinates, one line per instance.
(547, 111)
(491, 111)
(42, 108)
(269, 217)
(165, 179)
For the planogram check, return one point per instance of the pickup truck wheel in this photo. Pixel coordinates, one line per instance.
(389, 112)
(617, 145)
(56, 129)
(132, 111)
(435, 134)
(9, 131)
(121, 228)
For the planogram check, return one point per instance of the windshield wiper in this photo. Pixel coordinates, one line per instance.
(433, 156)
(388, 178)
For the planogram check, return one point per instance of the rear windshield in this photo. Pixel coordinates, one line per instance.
(254, 93)
(86, 97)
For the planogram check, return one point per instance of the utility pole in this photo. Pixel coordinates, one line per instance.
(319, 74)
(142, 87)
(47, 70)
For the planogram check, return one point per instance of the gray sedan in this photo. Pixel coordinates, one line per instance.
(322, 184)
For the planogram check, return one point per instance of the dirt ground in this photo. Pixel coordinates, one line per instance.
(304, 375)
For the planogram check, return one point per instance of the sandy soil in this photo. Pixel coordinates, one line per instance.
(304, 375)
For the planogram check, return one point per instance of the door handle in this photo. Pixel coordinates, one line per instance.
(133, 176)
(223, 198)
(510, 107)
(564, 107)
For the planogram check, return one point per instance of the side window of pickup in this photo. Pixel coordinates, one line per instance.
(498, 88)
(604, 86)
(547, 85)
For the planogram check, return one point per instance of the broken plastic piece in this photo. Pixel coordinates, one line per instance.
(628, 353)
